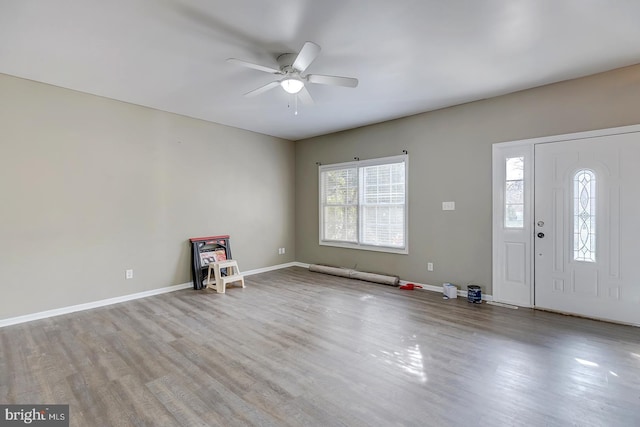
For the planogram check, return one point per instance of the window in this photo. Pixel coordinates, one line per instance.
(363, 204)
(584, 216)
(514, 193)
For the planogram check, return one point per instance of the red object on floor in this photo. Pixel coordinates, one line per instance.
(410, 286)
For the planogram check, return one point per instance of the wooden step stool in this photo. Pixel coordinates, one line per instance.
(219, 282)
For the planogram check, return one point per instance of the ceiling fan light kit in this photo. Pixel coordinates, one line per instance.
(292, 85)
(292, 66)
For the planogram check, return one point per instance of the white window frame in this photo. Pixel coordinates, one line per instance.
(359, 165)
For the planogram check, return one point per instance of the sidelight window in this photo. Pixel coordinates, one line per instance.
(514, 193)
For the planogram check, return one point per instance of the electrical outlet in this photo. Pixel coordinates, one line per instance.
(128, 274)
(448, 206)
(283, 251)
(429, 266)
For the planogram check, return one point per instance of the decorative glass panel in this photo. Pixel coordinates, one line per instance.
(515, 168)
(514, 193)
(584, 216)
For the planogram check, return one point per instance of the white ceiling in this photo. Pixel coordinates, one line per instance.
(410, 56)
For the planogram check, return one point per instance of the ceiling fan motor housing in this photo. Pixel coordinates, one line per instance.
(285, 61)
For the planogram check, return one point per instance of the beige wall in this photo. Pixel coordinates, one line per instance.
(90, 187)
(450, 160)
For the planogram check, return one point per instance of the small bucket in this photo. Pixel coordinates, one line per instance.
(474, 294)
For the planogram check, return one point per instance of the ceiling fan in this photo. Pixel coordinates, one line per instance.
(292, 67)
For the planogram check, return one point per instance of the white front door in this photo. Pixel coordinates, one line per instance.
(587, 227)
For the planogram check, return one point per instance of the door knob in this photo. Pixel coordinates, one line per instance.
(541, 235)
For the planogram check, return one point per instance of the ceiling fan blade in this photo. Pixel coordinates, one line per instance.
(305, 96)
(262, 89)
(307, 54)
(332, 80)
(254, 66)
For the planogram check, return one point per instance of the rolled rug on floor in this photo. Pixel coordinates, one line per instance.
(353, 274)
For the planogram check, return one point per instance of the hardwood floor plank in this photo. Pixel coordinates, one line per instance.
(139, 401)
(296, 348)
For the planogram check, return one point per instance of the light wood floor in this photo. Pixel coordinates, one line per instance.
(304, 349)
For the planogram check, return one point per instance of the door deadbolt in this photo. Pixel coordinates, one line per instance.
(541, 235)
(540, 223)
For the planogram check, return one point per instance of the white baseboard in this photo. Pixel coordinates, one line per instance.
(433, 288)
(90, 305)
(301, 264)
(425, 287)
(274, 267)
(101, 303)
